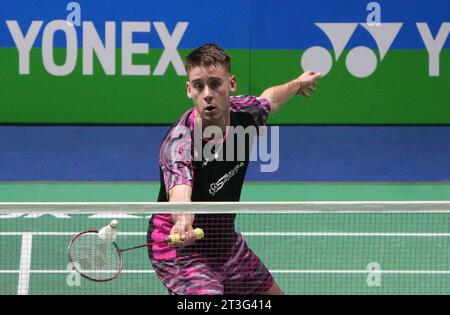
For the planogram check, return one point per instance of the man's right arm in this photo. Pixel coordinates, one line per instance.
(182, 221)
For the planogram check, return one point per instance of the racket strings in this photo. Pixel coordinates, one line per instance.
(94, 257)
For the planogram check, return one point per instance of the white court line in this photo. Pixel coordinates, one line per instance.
(289, 271)
(254, 234)
(428, 272)
(341, 234)
(64, 233)
(94, 271)
(25, 264)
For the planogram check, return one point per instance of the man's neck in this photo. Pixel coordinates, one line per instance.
(222, 122)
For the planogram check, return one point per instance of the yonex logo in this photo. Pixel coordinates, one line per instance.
(361, 61)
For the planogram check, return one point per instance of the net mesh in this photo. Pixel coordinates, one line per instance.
(311, 250)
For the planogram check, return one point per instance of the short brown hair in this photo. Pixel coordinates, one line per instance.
(208, 55)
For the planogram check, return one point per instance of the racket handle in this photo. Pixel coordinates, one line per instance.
(173, 239)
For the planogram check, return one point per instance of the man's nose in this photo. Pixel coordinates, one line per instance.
(208, 95)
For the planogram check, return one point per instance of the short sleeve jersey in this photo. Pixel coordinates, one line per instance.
(211, 180)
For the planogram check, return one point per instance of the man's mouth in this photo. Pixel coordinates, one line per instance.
(210, 108)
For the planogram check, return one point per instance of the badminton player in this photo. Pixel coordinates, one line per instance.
(221, 263)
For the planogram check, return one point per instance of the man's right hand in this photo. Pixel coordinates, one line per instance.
(182, 221)
(183, 226)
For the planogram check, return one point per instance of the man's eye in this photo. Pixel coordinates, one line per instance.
(198, 86)
(215, 84)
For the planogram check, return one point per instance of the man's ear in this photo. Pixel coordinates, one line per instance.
(188, 90)
(233, 84)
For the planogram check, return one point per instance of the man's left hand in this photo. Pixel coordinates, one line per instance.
(306, 82)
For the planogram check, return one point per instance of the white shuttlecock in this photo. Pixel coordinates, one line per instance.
(109, 232)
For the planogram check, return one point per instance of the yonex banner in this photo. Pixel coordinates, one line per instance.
(104, 62)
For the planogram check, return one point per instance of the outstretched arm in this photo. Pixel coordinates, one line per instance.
(278, 95)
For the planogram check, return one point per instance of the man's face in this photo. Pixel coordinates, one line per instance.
(210, 88)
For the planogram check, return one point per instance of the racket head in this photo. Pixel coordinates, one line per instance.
(93, 258)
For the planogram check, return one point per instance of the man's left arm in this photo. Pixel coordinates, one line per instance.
(278, 95)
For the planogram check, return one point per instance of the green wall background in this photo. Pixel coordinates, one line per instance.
(398, 92)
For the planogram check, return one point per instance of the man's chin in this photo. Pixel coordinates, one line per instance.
(210, 117)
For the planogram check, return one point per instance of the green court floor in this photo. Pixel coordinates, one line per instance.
(252, 191)
(307, 253)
